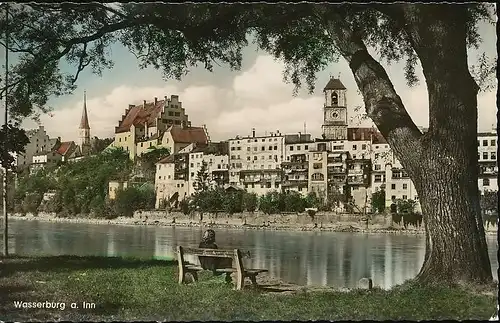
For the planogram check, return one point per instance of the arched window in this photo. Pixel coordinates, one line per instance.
(317, 177)
(335, 98)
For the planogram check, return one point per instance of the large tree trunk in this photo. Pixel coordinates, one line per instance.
(447, 181)
(443, 162)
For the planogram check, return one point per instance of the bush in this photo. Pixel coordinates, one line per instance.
(232, 202)
(185, 206)
(32, 202)
(250, 201)
(378, 201)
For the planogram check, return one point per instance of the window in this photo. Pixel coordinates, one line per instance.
(263, 140)
(493, 155)
(317, 165)
(354, 156)
(232, 148)
(263, 148)
(306, 147)
(254, 148)
(393, 197)
(192, 164)
(486, 182)
(268, 185)
(485, 155)
(248, 158)
(317, 177)
(354, 147)
(291, 148)
(270, 156)
(478, 143)
(276, 185)
(275, 147)
(405, 197)
(254, 157)
(405, 186)
(192, 174)
(363, 147)
(377, 155)
(270, 147)
(238, 148)
(485, 142)
(492, 143)
(378, 178)
(393, 186)
(248, 148)
(377, 167)
(298, 147)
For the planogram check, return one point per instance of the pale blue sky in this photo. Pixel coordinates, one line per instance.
(232, 103)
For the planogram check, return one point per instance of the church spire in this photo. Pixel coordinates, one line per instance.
(84, 123)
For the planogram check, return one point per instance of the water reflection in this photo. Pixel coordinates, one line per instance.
(306, 258)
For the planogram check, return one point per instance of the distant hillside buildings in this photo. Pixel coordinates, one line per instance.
(346, 162)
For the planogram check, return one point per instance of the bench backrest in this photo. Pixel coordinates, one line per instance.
(234, 254)
(221, 253)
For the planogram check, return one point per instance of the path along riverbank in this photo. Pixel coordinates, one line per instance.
(323, 221)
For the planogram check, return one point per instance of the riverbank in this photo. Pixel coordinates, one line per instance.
(289, 222)
(121, 289)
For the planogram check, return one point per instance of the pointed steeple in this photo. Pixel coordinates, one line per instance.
(84, 123)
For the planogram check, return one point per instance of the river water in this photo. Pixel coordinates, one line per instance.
(306, 258)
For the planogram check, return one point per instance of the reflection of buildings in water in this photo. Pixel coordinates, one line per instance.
(388, 270)
(111, 243)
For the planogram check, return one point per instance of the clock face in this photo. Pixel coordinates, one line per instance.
(335, 115)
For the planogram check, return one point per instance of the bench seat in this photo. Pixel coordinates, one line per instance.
(235, 255)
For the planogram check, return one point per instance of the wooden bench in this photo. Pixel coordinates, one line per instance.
(235, 255)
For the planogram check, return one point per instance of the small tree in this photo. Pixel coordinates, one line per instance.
(312, 200)
(202, 181)
(489, 202)
(250, 201)
(269, 203)
(378, 201)
(406, 206)
(294, 202)
(232, 202)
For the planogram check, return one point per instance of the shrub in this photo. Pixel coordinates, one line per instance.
(250, 201)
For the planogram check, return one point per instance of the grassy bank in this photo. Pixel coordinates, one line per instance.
(133, 289)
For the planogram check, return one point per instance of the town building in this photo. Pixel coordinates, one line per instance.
(114, 186)
(39, 142)
(488, 163)
(215, 156)
(255, 162)
(143, 126)
(296, 164)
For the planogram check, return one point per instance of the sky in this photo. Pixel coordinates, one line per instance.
(231, 103)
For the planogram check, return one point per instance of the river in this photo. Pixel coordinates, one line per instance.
(305, 258)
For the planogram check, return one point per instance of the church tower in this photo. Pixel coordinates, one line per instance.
(335, 111)
(84, 129)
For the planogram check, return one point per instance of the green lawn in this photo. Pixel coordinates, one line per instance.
(133, 289)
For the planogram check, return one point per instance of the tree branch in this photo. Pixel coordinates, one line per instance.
(383, 105)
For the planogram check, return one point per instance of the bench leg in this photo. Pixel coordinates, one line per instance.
(253, 278)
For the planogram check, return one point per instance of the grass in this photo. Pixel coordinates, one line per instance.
(134, 289)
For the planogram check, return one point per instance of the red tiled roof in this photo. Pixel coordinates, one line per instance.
(359, 134)
(140, 114)
(166, 160)
(64, 147)
(189, 134)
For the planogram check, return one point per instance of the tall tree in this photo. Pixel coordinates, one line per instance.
(307, 37)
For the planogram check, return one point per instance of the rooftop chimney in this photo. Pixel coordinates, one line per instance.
(144, 104)
(156, 100)
(253, 132)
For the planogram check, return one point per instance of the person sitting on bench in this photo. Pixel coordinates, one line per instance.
(213, 263)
